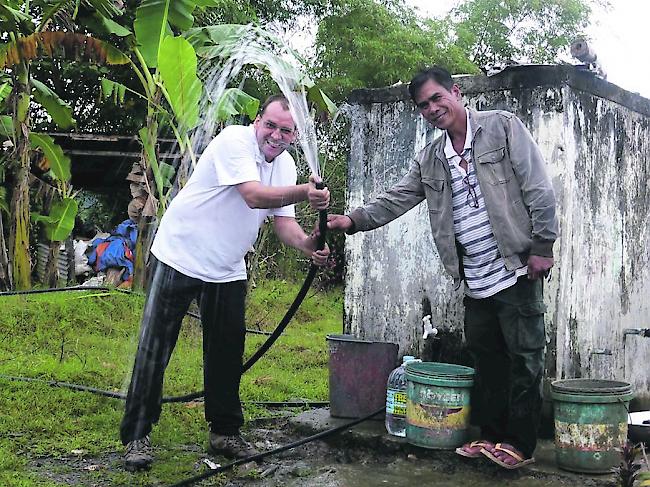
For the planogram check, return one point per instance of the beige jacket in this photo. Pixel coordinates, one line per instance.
(517, 192)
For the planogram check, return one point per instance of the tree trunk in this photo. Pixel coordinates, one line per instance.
(5, 271)
(69, 251)
(19, 227)
(147, 227)
(51, 278)
(147, 221)
(50, 275)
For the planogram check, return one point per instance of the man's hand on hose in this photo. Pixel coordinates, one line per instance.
(339, 223)
(318, 257)
(319, 199)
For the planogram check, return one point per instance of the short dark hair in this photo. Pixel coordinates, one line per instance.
(273, 98)
(433, 73)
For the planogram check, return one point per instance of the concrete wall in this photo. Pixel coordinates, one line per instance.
(595, 138)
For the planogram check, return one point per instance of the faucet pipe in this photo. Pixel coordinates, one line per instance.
(644, 332)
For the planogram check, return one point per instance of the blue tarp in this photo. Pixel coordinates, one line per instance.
(119, 251)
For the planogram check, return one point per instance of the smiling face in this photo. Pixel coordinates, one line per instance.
(441, 108)
(274, 130)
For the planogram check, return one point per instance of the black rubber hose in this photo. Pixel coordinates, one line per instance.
(322, 223)
(313, 269)
(119, 395)
(66, 385)
(289, 446)
(59, 289)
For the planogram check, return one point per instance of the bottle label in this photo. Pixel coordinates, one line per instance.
(396, 403)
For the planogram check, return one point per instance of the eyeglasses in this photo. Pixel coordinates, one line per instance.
(472, 199)
(284, 131)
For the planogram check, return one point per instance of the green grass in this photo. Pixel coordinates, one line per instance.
(90, 339)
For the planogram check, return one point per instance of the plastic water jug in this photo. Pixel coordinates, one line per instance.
(396, 398)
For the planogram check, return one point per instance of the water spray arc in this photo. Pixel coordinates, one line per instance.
(223, 52)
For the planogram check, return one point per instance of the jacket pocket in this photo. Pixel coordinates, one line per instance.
(496, 166)
(434, 190)
(530, 329)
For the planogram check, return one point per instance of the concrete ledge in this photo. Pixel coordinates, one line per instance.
(517, 78)
(371, 435)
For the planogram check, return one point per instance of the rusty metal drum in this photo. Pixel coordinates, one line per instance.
(590, 423)
(437, 404)
(358, 371)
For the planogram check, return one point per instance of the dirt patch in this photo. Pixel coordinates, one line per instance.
(315, 464)
(76, 470)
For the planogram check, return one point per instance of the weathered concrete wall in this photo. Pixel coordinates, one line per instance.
(595, 138)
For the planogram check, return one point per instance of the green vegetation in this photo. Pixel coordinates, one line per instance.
(90, 339)
(372, 44)
(365, 44)
(490, 31)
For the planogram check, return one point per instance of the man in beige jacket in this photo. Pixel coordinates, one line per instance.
(492, 214)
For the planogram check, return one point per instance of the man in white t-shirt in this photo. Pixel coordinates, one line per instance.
(244, 176)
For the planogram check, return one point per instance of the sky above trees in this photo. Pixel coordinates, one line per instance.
(618, 33)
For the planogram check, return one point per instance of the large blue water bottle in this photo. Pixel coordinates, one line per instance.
(396, 399)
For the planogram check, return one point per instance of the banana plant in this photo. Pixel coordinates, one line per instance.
(58, 224)
(28, 26)
(166, 66)
(6, 128)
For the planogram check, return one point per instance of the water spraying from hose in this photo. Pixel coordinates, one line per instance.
(222, 62)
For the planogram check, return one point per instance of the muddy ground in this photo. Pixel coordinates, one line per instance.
(319, 464)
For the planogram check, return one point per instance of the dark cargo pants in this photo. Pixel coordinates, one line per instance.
(222, 317)
(505, 336)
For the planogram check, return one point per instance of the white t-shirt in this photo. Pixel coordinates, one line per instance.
(208, 227)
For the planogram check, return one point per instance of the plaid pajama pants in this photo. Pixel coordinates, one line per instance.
(222, 308)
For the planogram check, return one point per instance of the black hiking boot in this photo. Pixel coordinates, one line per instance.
(233, 446)
(138, 455)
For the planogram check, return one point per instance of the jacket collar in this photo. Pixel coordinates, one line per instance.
(474, 118)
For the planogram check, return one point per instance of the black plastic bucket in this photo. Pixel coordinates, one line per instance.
(358, 372)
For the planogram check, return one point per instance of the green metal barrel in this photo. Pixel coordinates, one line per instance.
(437, 404)
(590, 423)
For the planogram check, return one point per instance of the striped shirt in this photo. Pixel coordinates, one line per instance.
(484, 268)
